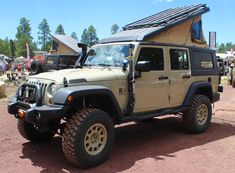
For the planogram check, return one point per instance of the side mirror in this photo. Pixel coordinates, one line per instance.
(92, 52)
(143, 66)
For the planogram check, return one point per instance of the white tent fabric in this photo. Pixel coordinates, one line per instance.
(225, 56)
(21, 58)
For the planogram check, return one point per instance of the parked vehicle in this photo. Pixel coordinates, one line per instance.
(124, 78)
(52, 62)
(221, 65)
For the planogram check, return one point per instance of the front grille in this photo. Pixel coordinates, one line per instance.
(27, 94)
(43, 86)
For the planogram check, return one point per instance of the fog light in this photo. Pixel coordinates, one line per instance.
(21, 113)
(70, 98)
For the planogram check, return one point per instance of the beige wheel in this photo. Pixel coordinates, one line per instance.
(95, 139)
(88, 137)
(202, 114)
(197, 116)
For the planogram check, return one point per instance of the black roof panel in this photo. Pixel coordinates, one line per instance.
(169, 17)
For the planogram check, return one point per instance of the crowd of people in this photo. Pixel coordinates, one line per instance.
(12, 67)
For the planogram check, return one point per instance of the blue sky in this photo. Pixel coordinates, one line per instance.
(76, 15)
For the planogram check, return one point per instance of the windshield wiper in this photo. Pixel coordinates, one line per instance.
(105, 65)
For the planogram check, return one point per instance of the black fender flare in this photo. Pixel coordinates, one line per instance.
(193, 90)
(61, 95)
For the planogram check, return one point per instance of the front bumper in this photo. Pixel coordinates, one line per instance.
(35, 113)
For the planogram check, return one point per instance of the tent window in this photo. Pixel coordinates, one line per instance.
(54, 46)
(197, 32)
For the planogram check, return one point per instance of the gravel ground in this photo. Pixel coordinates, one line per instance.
(159, 146)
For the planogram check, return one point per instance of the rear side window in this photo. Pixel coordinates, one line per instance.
(179, 59)
(154, 55)
(202, 60)
(72, 60)
(52, 60)
(63, 60)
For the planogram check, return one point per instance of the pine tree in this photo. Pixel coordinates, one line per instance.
(92, 38)
(60, 30)
(4, 47)
(84, 37)
(114, 29)
(23, 29)
(44, 35)
(23, 36)
(12, 48)
(74, 35)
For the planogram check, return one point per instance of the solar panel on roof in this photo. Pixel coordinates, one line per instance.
(168, 17)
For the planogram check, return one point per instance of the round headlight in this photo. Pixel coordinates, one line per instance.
(52, 88)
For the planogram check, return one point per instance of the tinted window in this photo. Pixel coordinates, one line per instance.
(154, 55)
(72, 60)
(63, 60)
(202, 60)
(179, 59)
(52, 60)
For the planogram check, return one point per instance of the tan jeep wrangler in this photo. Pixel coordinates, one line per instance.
(123, 79)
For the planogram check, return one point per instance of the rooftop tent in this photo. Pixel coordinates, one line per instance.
(178, 25)
(64, 44)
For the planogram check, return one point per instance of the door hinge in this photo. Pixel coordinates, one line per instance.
(169, 97)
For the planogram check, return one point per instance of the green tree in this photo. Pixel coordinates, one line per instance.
(114, 29)
(221, 48)
(74, 35)
(35, 46)
(229, 46)
(12, 48)
(92, 38)
(23, 29)
(21, 47)
(84, 37)
(60, 30)
(44, 35)
(23, 36)
(4, 47)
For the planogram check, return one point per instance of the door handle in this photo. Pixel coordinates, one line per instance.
(186, 76)
(163, 78)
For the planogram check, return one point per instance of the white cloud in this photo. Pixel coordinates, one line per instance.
(160, 1)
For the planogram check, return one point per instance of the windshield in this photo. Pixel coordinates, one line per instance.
(107, 55)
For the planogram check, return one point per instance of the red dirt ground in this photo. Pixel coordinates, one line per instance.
(158, 146)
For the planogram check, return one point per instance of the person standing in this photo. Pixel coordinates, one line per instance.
(231, 72)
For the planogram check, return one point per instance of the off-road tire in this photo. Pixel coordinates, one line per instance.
(29, 132)
(75, 133)
(35, 68)
(190, 120)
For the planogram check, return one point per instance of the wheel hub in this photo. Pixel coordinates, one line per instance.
(202, 114)
(95, 139)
